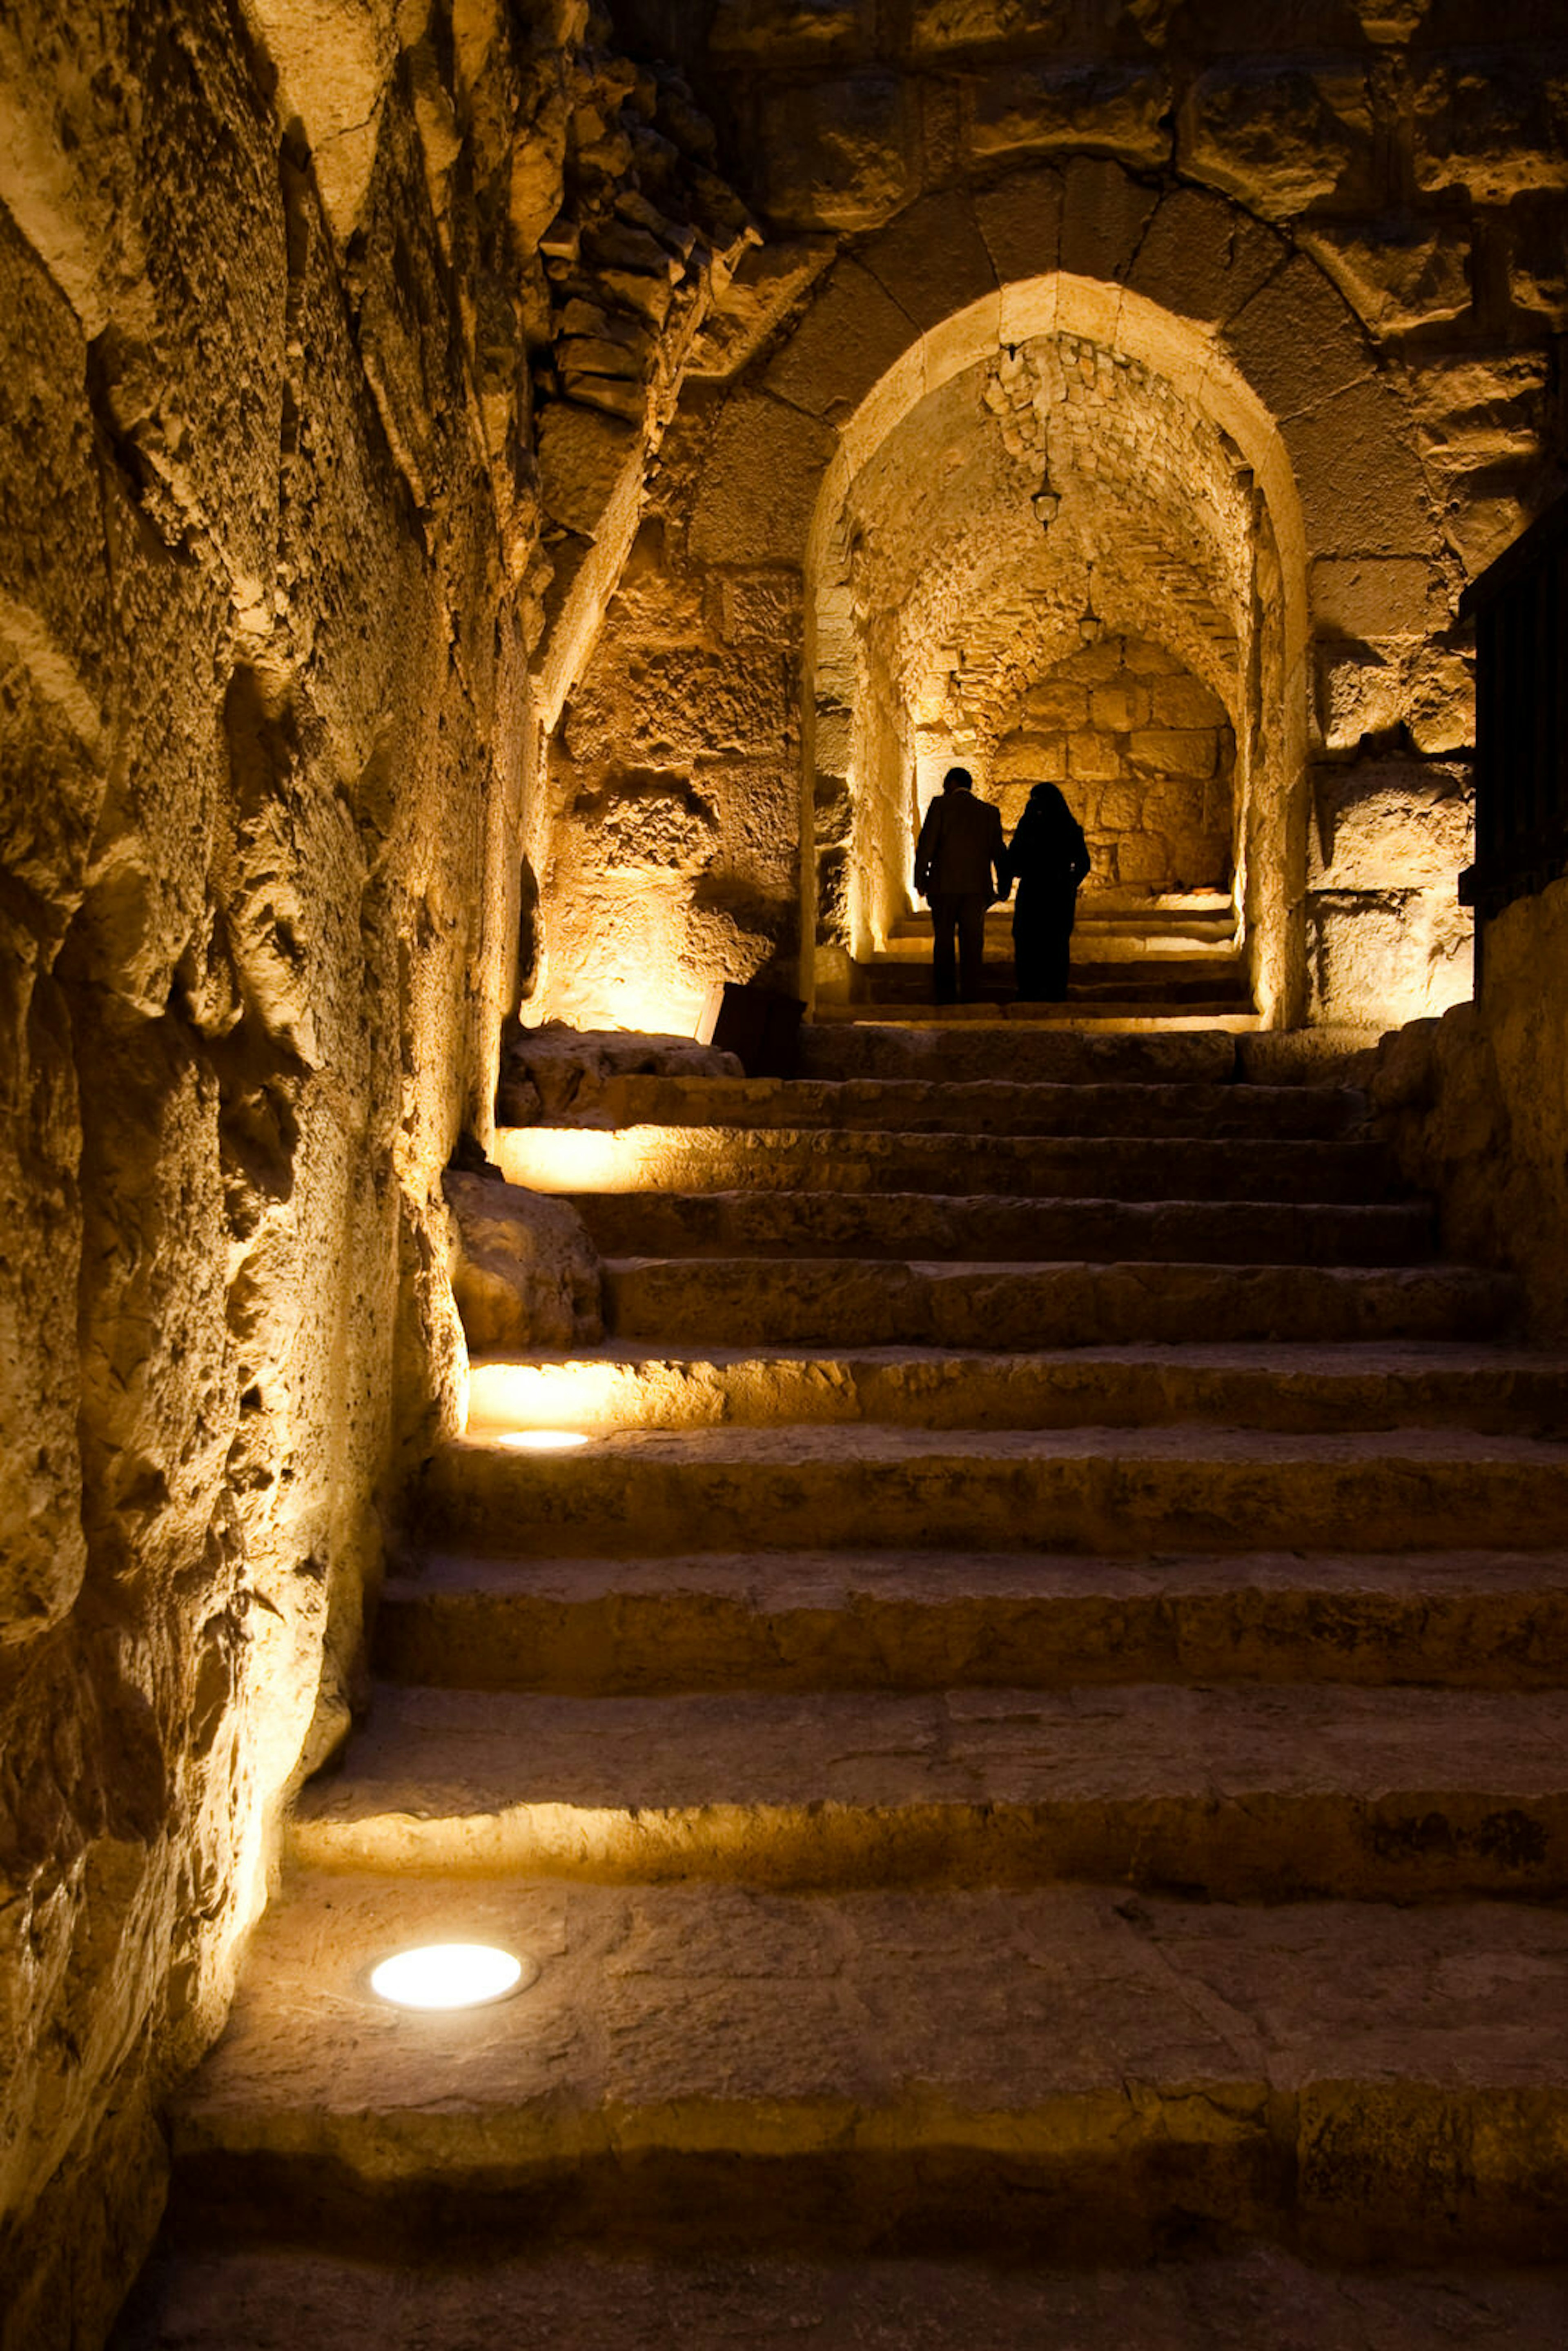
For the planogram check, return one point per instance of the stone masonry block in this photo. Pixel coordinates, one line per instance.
(1204, 257)
(933, 260)
(1185, 702)
(1297, 341)
(1105, 214)
(1053, 105)
(1359, 694)
(1020, 220)
(1536, 243)
(1059, 702)
(1390, 824)
(785, 32)
(1363, 491)
(760, 483)
(837, 153)
(1495, 124)
(768, 281)
(938, 27)
(854, 332)
(1372, 598)
(583, 455)
(1113, 707)
(1440, 701)
(1381, 956)
(1175, 751)
(1094, 756)
(1397, 274)
(1279, 140)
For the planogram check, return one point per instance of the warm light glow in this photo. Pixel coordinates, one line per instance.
(541, 1440)
(447, 1975)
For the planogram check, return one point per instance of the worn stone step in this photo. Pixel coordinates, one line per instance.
(272, 2300)
(1116, 1017)
(1247, 1792)
(878, 1302)
(720, 1158)
(980, 1108)
(620, 1384)
(900, 976)
(905, 1224)
(1201, 943)
(1071, 2075)
(1185, 1487)
(953, 1048)
(1163, 985)
(1179, 913)
(938, 1620)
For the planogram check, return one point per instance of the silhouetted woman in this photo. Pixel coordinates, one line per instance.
(1048, 860)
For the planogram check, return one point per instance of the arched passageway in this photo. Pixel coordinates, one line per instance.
(1057, 563)
(1066, 416)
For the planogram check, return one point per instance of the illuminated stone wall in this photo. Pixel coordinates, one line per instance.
(1359, 209)
(1143, 751)
(436, 550)
(311, 465)
(1476, 1106)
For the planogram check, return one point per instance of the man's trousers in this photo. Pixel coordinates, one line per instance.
(958, 978)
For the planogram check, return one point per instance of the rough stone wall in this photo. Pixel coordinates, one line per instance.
(1144, 751)
(290, 305)
(1363, 201)
(672, 859)
(1476, 1104)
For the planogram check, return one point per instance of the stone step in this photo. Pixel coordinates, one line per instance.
(1071, 2075)
(1095, 963)
(1199, 912)
(880, 1302)
(936, 1620)
(978, 1109)
(1118, 1018)
(1201, 944)
(929, 1226)
(273, 2300)
(1353, 1385)
(1185, 1487)
(1245, 1792)
(949, 1048)
(1168, 983)
(719, 1158)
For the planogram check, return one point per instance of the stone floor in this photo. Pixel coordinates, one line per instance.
(1033, 1775)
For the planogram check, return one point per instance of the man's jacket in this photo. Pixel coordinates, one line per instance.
(960, 848)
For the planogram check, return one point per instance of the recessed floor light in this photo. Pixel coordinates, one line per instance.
(450, 1975)
(542, 1440)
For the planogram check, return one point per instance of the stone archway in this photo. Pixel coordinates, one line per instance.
(1239, 330)
(681, 779)
(1050, 503)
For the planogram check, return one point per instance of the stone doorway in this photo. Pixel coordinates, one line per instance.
(1057, 565)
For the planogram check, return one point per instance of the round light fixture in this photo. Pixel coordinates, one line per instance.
(450, 1975)
(542, 1440)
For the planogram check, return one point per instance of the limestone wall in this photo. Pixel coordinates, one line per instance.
(1349, 214)
(1144, 751)
(309, 469)
(1477, 1106)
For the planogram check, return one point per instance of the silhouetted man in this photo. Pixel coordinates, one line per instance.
(959, 851)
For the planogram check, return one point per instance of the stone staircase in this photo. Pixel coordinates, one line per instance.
(1028, 1752)
(1155, 964)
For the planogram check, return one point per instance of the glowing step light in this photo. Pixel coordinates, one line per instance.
(451, 1975)
(542, 1440)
